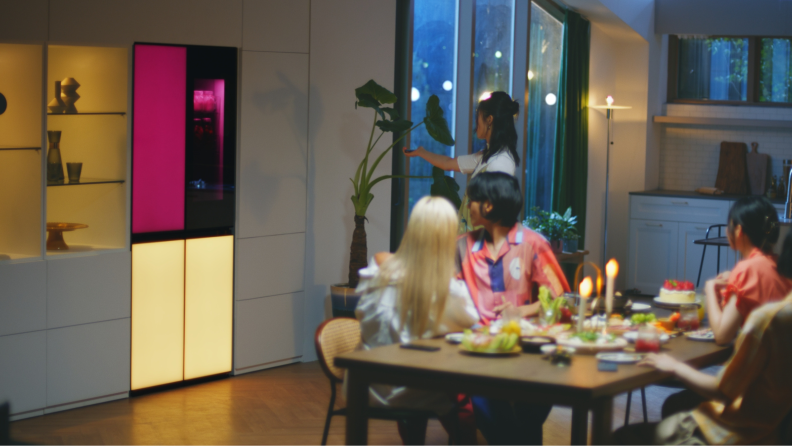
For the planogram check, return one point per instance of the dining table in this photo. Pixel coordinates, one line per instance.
(522, 377)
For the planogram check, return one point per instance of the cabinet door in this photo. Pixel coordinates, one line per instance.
(23, 372)
(157, 313)
(653, 254)
(689, 255)
(208, 306)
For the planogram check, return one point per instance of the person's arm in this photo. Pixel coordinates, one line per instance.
(381, 257)
(529, 310)
(699, 382)
(725, 322)
(437, 160)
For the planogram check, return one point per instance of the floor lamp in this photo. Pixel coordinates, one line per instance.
(609, 110)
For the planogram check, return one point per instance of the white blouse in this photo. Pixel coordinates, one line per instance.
(500, 162)
(380, 324)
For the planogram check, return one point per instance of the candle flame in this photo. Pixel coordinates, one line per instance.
(612, 268)
(609, 100)
(585, 288)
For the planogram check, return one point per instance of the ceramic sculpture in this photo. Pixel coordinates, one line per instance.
(57, 105)
(69, 94)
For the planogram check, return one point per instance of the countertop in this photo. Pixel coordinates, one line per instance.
(693, 194)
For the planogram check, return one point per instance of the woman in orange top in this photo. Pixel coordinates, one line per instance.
(732, 296)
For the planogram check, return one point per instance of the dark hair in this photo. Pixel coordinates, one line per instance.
(504, 136)
(785, 259)
(502, 191)
(759, 220)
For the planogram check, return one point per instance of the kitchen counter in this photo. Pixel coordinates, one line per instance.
(693, 194)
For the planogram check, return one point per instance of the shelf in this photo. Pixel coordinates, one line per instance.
(85, 181)
(76, 250)
(20, 148)
(689, 120)
(81, 113)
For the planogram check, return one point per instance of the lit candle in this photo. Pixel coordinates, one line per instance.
(585, 293)
(611, 269)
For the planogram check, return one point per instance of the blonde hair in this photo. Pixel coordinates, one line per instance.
(423, 266)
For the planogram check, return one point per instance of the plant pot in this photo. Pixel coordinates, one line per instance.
(557, 246)
(571, 245)
(344, 300)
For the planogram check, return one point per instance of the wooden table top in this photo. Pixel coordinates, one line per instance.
(524, 372)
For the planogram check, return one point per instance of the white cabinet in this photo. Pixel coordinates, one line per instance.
(268, 332)
(653, 254)
(23, 297)
(662, 232)
(23, 365)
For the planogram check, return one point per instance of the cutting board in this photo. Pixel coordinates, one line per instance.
(757, 169)
(732, 171)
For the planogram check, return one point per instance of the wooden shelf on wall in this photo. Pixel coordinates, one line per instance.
(690, 120)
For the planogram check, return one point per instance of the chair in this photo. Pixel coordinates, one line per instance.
(629, 401)
(718, 242)
(342, 335)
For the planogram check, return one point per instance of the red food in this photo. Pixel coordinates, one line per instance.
(674, 285)
(647, 345)
(674, 317)
(566, 316)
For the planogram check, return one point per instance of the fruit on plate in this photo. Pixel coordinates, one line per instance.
(643, 318)
(512, 327)
(484, 343)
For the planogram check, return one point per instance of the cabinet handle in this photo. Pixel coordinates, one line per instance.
(658, 225)
(701, 228)
(680, 203)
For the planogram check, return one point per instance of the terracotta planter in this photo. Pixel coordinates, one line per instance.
(344, 300)
(557, 246)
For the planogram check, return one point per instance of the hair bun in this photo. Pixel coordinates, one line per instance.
(515, 107)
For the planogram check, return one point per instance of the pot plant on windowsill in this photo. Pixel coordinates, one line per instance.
(558, 229)
(386, 119)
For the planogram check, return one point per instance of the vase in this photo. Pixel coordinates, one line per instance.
(57, 105)
(344, 300)
(69, 94)
(54, 163)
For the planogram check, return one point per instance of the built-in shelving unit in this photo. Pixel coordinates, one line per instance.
(690, 120)
(94, 139)
(20, 148)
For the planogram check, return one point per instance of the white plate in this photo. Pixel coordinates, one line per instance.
(592, 348)
(454, 338)
(633, 335)
(664, 303)
(547, 349)
(620, 358)
(639, 308)
(705, 334)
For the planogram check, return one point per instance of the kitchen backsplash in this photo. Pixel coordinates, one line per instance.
(689, 153)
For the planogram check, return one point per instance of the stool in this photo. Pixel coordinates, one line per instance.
(718, 241)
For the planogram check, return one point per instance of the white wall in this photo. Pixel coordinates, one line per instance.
(352, 41)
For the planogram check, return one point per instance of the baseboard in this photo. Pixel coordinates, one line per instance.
(266, 365)
(86, 402)
(26, 414)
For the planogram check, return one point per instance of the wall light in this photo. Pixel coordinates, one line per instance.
(551, 99)
(530, 75)
(415, 94)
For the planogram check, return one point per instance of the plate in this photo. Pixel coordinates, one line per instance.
(639, 308)
(673, 305)
(633, 335)
(515, 351)
(705, 335)
(547, 349)
(592, 348)
(454, 338)
(620, 358)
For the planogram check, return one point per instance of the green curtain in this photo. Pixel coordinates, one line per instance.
(570, 166)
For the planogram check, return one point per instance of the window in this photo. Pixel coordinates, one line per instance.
(733, 70)
(433, 72)
(544, 67)
(461, 50)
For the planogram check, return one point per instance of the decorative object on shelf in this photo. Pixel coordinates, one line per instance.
(771, 192)
(74, 170)
(55, 240)
(3, 103)
(732, 168)
(57, 105)
(54, 163)
(69, 94)
(610, 110)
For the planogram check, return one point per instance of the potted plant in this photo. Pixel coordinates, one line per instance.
(386, 119)
(555, 227)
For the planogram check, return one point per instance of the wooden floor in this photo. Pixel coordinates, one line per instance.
(286, 405)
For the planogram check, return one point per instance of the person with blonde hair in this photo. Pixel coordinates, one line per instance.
(413, 294)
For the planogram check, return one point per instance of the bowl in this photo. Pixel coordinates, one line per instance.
(533, 344)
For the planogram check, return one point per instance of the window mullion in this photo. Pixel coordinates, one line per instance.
(751, 95)
(519, 80)
(464, 102)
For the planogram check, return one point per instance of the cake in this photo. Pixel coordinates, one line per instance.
(678, 292)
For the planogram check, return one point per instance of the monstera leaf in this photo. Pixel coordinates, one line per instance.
(394, 126)
(436, 125)
(375, 91)
(445, 186)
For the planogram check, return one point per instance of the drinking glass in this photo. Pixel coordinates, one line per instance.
(688, 317)
(74, 170)
(648, 339)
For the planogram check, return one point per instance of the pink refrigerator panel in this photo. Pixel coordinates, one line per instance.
(159, 138)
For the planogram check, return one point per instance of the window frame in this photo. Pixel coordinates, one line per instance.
(754, 67)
